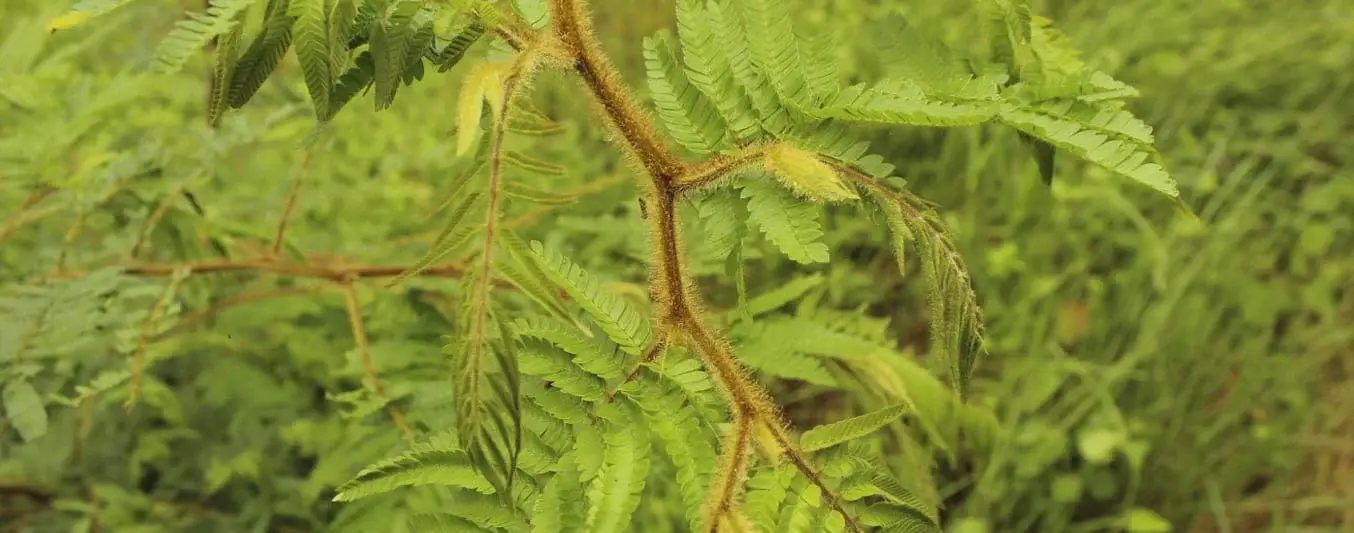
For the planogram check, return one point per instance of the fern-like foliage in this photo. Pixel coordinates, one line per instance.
(191, 34)
(626, 327)
(568, 405)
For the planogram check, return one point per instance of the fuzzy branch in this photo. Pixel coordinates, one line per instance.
(678, 307)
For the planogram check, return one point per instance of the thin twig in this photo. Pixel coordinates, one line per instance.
(22, 215)
(291, 203)
(338, 274)
(653, 353)
(147, 330)
(149, 226)
(369, 368)
(717, 168)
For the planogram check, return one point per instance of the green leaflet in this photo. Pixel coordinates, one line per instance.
(956, 318)
(263, 54)
(1106, 136)
(777, 355)
(789, 223)
(777, 52)
(227, 55)
(1006, 23)
(191, 34)
(442, 523)
(687, 443)
(902, 102)
(588, 353)
(518, 266)
(723, 220)
(485, 512)
(354, 81)
(897, 519)
(784, 294)
(531, 164)
(392, 39)
(342, 27)
(767, 489)
(731, 21)
(24, 409)
(311, 35)
(852, 428)
(540, 358)
(614, 493)
(706, 50)
(686, 113)
(537, 195)
(623, 324)
(424, 465)
(910, 54)
(557, 510)
(456, 231)
(485, 379)
(455, 49)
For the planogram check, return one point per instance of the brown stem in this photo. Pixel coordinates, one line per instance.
(22, 215)
(338, 274)
(143, 343)
(152, 220)
(573, 28)
(369, 368)
(716, 168)
(290, 204)
(677, 306)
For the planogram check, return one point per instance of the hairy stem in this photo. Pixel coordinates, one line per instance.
(573, 28)
(717, 168)
(677, 306)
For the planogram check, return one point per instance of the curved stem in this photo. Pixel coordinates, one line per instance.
(677, 306)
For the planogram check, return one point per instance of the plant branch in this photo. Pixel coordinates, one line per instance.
(153, 220)
(369, 368)
(573, 27)
(147, 330)
(290, 204)
(677, 309)
(716, 168)
(337, 274)
(22, 215)
(653, 353)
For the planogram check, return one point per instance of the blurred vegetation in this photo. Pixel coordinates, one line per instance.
(1138, 362)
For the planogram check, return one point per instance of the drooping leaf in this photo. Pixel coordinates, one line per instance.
(852, 428)
(24, 409)
(626, 327)
(789, 223)
(311, 34)
(191, 34)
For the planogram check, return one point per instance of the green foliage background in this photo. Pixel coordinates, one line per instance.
(1142, 370)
